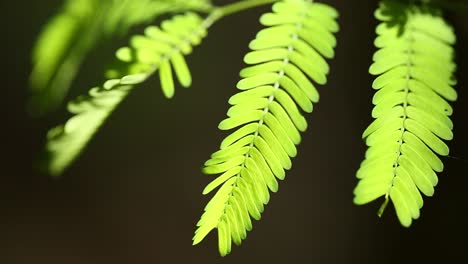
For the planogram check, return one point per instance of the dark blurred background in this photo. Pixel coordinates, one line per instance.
(135, 194)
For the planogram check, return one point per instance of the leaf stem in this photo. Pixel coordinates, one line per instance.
(241, 6)
(382, 207)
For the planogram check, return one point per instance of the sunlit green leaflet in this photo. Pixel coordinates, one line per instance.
(160, 49)
(77, 28)
(267, 116)
(415, 67)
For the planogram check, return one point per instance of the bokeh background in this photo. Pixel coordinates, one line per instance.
(135, 194)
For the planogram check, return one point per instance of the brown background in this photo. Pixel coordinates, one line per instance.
(135, 196)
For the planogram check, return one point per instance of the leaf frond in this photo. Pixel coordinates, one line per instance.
(415, 68)
(76, 29)
(161, 48)
(58, 52)
(287, 58)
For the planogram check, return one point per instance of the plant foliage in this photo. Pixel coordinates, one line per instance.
(266, 116)
(415, 70)
(76, 29)
(160, 49)
(414, 66)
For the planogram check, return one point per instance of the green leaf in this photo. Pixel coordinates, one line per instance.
(77, 28)
(66, 142)
(415, 65)
(267, 115)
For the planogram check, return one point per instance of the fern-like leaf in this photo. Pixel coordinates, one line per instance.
(76, 29)
(415, 67)
(58, 52)
(160, 48)
(267, 116)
